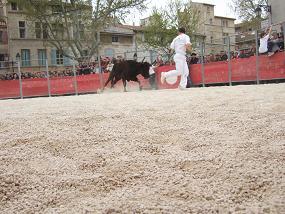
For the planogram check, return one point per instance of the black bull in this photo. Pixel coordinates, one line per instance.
(128, 71)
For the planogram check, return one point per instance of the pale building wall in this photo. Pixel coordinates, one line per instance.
(16, 44)
(277, 10)
(212, 27)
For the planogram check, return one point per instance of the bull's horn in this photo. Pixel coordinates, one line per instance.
(143, 59)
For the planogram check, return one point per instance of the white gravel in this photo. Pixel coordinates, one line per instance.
(202, 150)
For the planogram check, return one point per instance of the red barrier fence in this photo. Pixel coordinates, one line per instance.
(9, 89)
(242, 70)
(217, 72)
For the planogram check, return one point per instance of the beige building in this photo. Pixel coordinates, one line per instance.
(29, 40)
(121, 41)
(4, 49)
(216, 29)
(245, 37)
(277, 11)
(277, 15)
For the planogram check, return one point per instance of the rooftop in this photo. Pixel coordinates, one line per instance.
(223, 17)
(131, 27)
(207, 4)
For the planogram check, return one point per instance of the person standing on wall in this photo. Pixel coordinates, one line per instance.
(180, 45)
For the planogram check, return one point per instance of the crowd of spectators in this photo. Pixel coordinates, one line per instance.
(35, 75)
(85, 68)
(222, 56)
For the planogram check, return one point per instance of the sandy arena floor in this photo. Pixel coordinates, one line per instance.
(201, 150)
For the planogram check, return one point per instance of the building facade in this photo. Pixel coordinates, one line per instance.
(4, 49)
(245, 37)
(216, 29)
(29, 40)
(277, 11)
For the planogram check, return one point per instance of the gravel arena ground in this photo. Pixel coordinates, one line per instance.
(202, 150)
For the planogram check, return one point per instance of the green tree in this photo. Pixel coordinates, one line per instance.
(158, 33)
(74, 26)
(245, 9)
(164, 22)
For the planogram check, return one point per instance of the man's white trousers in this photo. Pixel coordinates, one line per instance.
(181, 70)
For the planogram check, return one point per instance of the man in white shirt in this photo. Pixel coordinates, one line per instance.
(265, 45)
(180, 45)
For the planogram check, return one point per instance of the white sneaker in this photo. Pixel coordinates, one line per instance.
(162, 77)
(181, 88)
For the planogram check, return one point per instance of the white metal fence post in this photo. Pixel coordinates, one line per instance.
(75, 77)
(48, 79)
(229, 61)
(100, 73)
(20, 79)
(257, 57)
(202, 63)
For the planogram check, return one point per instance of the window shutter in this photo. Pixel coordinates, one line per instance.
(53, 57)
(66, 60)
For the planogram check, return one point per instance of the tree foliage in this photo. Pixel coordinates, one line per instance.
(245, 9)
(74, 26)
(164, 23)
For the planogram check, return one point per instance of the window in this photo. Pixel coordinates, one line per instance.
(1, 36)
(115, 39)
(225, 39)
(20, 7)
(38, 30)
(59, 57)
(13, 6)
(22, 29)
(85, 52)
(211, 21)
(211, 39)
(81, 31)
(109, 52)
(41, 30)
(45, 31)
(42, 55)
(2, 57)
(225, 23)
(26, 57)
(58, 30)
(143, 38)
(208, 9)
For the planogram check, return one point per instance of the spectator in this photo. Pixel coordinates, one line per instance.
(212, 58)
(224, 56)
(135, 57)
(218, 57)
(266, 45)
(194, 59)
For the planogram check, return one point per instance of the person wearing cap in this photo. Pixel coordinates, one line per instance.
(180, 45)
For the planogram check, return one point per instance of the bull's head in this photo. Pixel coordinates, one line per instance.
(145, 66)
(143, 59)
